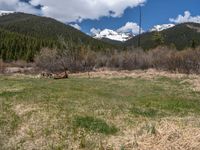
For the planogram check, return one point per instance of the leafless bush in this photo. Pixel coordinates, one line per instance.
(186, 61)
(88, 60)
(47, 60)
(2, 66)
(101, 60)
(162, 58)
(159, 57)
(129, 60)
(54, 60)
(21, 64)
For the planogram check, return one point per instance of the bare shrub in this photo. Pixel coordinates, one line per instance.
(21, 64)
(2, 66)
(186, 61)
(162, 58)
(101, 60)
(136, 60)
(82, 59)
(56, 60)
(88, 60)
(159, 57)
(114, 60)
(129, 60)
(47, 60)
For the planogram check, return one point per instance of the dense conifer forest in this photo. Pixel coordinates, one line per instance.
(23, 35)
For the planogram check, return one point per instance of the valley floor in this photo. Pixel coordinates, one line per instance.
(110, 110)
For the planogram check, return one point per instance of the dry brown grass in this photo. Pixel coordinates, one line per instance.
(166, 134)
(145, 74)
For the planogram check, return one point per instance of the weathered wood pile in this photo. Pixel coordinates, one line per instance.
(63, 75)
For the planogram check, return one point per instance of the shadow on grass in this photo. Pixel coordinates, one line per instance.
(145, 112)
(10, 93)
(94, 124)
(164, 108)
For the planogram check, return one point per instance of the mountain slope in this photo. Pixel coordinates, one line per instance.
(180, 36)
(113, 42)
(44, 31)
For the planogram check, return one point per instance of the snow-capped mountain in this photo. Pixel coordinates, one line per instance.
(2, 12)
(113, 35)
(162, 27)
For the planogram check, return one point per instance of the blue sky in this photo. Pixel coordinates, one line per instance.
(110, 14)
(154, 12)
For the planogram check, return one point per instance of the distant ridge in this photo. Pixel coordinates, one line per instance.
(180, 36)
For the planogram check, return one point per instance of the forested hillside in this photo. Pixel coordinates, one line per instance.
(23, 35)
(181, 36)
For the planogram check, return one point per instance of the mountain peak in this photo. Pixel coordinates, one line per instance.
(113, 35)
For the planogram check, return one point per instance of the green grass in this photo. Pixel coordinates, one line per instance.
(94, 124)
(58, 110)
(148, 112)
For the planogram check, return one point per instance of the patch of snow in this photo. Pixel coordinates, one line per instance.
(113, 35)
(162, 27)
(3, 12)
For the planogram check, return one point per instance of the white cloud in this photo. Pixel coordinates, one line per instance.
(24, 7)
(8, 4)
(95, 31)
(77, 10)
(72, 10)
(16, 5)
(130, 27)
(185, 18)
(35, 2)
(76, 26)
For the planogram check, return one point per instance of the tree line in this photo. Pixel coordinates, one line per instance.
(14, 46)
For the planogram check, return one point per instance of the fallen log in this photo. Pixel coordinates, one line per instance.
(61, 76)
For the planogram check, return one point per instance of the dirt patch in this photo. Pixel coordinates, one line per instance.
(22, 109)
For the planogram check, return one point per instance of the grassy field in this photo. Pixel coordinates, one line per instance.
(98, 113)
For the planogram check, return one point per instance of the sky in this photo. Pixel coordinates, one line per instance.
(91, 16)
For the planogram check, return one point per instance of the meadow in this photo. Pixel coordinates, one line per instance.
(118, 112)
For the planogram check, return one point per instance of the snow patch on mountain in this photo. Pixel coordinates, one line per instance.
(123, 36)
(112, 35)
(2, 12)
(162, 27)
